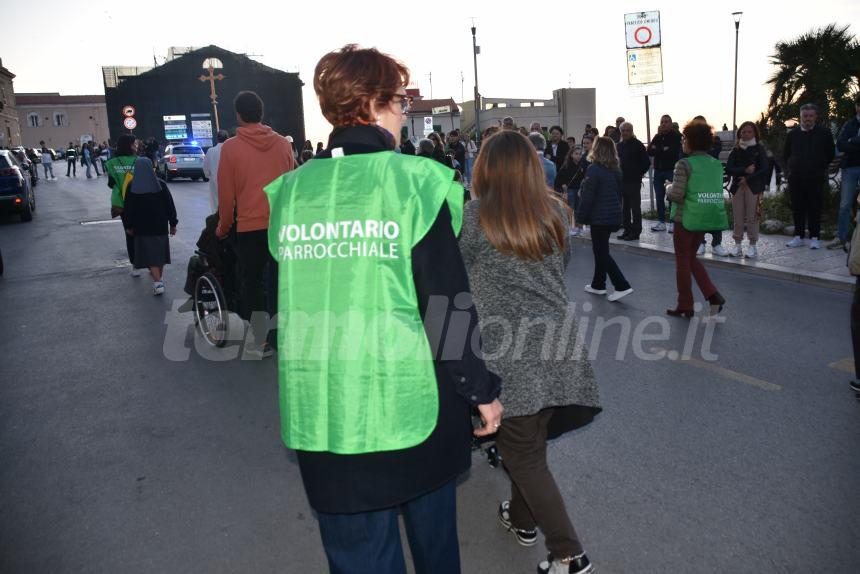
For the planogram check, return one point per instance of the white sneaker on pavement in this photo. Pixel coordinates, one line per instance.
(670, 227)
(593, 291)
(575, 231)
(701, 249)
(737, 251)
(135, 272)
(720, 250)
(615, 296)
(158, 287)
(659, 226)
(814, 244)
(752, 252)
(796, 242)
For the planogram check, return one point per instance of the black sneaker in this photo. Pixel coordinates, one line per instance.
(855, 386)
(524, 537)
(577, 565)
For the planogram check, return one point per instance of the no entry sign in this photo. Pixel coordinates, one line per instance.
(129, 123)
(643, 29)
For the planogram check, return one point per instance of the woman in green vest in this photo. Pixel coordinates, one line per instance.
(119, 170)
(698, 206)
(365, 240)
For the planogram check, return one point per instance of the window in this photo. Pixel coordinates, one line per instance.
(60, 119)
(33, 120)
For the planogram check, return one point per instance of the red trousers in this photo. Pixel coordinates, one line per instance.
(686, 264)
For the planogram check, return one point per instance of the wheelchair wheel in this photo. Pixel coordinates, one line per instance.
(210, 310)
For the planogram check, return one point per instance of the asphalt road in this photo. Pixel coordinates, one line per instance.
(124, 449)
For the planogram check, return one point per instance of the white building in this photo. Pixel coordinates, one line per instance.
(444, 115)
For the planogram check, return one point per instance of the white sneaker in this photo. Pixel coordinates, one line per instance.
(796, 242)
(593, 291)
(813, 244)
(575, 231)
(701, 249)
(670, 227)
(158, 287)
(752, 252)
(721, 251)
(619, 294)
(135, 272)
(658, 227)
(737, 251)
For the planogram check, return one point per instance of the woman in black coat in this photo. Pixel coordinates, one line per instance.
(749, 169)
(600, 207)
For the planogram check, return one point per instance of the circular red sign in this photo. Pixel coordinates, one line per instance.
(644, 29)
(128, 111)
(129, 123)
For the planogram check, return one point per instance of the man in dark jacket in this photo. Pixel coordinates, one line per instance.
(557, 149)
(808, 152)
(849, 144)
(634, 163)
(665, 148)
(457, 151)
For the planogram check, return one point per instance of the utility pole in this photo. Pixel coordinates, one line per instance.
(462, 82)
(737, 17)
(430, 75)
(475, 51)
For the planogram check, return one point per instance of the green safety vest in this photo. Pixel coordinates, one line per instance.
(121, 169)
(356, 374)
(704, 203)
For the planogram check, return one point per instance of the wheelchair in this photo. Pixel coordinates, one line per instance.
(213, 284)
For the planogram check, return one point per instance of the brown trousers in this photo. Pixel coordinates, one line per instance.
(535, 498)
(745, 212)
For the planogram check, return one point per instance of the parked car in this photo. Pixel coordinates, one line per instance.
(27, 165)
(181, 160)
(16, 191)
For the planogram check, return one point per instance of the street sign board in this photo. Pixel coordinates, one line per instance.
(130, 123)
(175, 128)
(428, 125)
(441, 110)
(643, 29)
(644, 66)
(128, 111)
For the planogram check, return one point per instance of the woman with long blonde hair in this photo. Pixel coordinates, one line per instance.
(515, 247)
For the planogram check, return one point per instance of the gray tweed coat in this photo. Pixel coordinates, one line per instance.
(529, 335)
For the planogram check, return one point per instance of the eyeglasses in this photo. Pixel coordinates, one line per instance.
(404, 102)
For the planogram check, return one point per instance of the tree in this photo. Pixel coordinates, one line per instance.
(820, 67)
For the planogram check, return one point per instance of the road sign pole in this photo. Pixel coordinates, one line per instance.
(647, 143)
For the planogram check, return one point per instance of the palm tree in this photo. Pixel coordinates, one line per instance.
(821, 67)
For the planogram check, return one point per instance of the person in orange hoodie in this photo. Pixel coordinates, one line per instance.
(250, 161)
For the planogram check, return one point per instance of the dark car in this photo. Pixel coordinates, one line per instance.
(183, 160)
(16, 192)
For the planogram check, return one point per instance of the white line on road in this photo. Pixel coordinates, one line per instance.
(101, 221)
(722, 371)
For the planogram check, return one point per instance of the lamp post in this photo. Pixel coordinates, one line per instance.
(475, 51)
(737, 17)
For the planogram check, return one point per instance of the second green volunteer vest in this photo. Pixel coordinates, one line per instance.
(121, 169)
(704, 204)
(356, 374)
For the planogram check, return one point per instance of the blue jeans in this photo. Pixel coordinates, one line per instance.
(661, 176)
(470, 162)
(850, 178)
(369, 542)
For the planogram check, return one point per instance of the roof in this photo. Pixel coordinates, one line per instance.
(55, 99)
(426, 106)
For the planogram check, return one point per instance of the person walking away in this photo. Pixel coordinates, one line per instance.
(808, 151)
(248, 162)
(600, 199)
(696, 193)
(515, 248)
(749, 169)
(848, 143)
(210, 168)
(390, 267)
(104, 156)
(665, 148)
(406, 145)
(88, 158)
(149, 216)
(71, 161)
(539, 143)
(634, 164)
(47, 163)
(120, 172)
(557, 149)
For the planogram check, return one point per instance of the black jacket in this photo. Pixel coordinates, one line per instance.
(560, 153)
(848, 143)
(738, 162)
(600, 197)
(634, 160)
(345, 484)
(149, 213)
(665, 148)
(570, 175)
(808, 154)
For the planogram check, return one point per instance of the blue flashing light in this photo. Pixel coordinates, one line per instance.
(194, 142)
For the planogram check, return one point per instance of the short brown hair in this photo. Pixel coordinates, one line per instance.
(519, 214)
(699, 136)
(349, 80)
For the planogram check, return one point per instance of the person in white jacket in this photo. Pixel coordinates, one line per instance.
(47, 163)
(210, 169)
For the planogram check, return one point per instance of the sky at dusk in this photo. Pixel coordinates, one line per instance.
(527, 48)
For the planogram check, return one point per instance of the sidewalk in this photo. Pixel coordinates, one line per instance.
(822, 267)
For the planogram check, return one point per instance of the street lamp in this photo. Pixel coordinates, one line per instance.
(737, 17)
(475, 51)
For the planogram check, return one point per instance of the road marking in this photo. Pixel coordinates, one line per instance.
(722, 371)
(844, 365)
(101, 221)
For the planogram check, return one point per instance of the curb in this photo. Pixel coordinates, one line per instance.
(828, 280)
